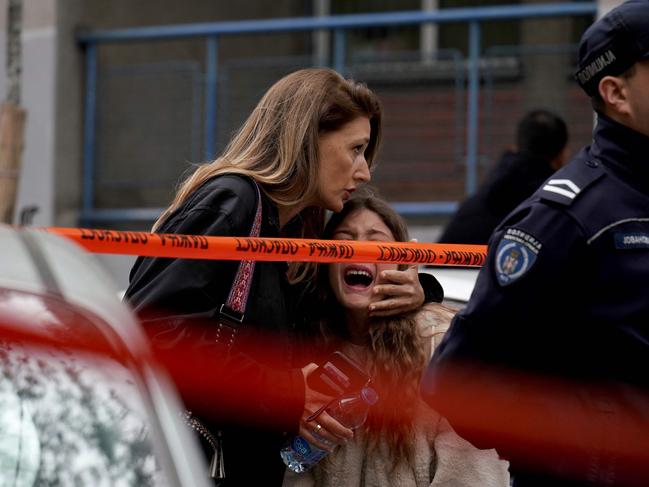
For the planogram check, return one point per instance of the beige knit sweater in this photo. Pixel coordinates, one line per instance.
(442, 458)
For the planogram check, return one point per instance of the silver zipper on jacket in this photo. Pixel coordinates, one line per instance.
(217, 467)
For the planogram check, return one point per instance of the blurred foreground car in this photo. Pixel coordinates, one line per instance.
(79, 403)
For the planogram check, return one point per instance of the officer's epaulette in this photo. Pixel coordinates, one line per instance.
(568, 183)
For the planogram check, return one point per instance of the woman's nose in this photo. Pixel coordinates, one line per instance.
(362, 174)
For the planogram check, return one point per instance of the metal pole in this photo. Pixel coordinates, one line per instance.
(89, 128)
(340, 45)
(473, 109)
(211, 97)
(322, 37)
(428, 32)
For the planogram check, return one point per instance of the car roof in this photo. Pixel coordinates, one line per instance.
(457, 282)
(44, 264)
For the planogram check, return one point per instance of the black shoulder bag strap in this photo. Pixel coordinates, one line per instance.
(232, 312)
(231, 317)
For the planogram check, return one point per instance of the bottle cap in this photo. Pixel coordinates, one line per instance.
(369, 395)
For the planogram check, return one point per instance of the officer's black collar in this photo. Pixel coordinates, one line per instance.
(622, 149)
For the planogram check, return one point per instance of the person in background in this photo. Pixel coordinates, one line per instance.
(552, 350)
(541, 139)
(307, 146)
(404, 442)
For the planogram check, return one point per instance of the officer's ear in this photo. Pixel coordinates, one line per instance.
(614, 93)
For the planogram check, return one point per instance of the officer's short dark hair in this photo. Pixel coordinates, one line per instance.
(542, 133)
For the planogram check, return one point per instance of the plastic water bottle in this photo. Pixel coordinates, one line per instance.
(349, 410)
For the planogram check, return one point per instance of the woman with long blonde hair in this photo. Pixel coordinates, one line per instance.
(404, 442)
(306, 147)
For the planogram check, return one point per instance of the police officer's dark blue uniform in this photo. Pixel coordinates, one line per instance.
(565, 289)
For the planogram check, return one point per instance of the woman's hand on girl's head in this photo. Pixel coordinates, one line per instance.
(323, 425)
(401, 292)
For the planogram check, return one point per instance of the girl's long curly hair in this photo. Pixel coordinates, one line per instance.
(398, 352)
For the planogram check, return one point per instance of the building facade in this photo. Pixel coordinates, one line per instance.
(151, 120)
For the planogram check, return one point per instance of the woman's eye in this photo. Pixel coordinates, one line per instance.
(358, 149)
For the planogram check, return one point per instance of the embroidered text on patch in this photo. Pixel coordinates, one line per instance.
(625, 240)
(516, 254)
(596, 66)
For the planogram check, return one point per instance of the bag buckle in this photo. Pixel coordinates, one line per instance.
(229, 323)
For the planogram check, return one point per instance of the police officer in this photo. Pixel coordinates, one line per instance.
(552, 350)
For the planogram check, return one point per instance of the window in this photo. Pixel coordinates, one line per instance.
(67, 417)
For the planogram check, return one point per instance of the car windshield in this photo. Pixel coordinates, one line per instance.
(67, 417)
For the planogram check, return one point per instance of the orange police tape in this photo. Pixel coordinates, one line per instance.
(271, 249)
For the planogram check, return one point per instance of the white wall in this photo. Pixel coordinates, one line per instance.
(604, 6)
(36, 186)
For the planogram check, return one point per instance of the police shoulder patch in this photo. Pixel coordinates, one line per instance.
(569, 182)
(515, 255)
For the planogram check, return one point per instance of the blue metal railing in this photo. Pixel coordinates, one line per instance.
(474, 16)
